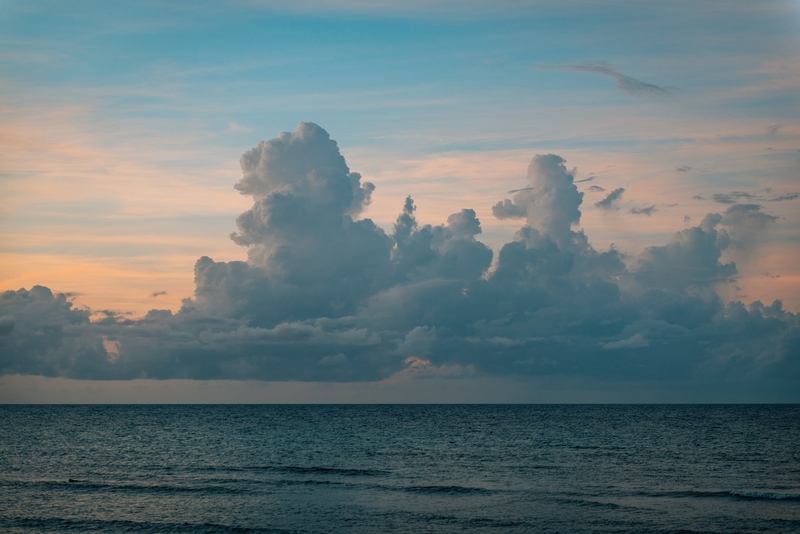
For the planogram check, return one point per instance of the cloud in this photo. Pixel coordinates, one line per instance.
(596, 189)
(625, 83)
(644, 211)
(236, 127)
(636, 341)
(420, 368)
(155, 294)
(549, 202)
(608, 203)
(686, 168)
(731, 198)
(690, 262)
(42, 334)
(507, 209)
(734, 196)
(746, 223)
(326, 296)
(781, 198)
(336, 359)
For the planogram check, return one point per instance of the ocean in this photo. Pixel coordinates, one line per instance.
(400, 468)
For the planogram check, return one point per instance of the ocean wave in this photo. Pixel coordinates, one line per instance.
(693, 493)
(452, 490)
(766, 495)
(725, 494)
(56, 524)
(90, 485)
(330, 471)
(487, 522)
(297, 469)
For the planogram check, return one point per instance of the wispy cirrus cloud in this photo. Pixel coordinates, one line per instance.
(626, 84)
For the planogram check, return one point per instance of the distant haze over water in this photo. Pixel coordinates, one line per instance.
(382, 468)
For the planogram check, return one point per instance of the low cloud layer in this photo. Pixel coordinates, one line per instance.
(326, 296)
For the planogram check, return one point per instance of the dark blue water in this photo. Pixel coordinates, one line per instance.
(438, 468)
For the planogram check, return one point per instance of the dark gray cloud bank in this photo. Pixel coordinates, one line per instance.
(326, 296)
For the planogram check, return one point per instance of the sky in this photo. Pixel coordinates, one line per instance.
(426, 201)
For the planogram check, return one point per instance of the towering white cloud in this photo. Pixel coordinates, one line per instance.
(549, 203)
(307, 256)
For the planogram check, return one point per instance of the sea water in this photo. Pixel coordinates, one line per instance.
(408, 468)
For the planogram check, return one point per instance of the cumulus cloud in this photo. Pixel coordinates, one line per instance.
(608, 203)
(507, 209)
(324, 295)
(690, 262)
(550, 202)
(41, 333)
(746, 223)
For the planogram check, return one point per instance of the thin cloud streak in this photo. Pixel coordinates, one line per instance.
(644, 211)
(609, 203)
(626, 84)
